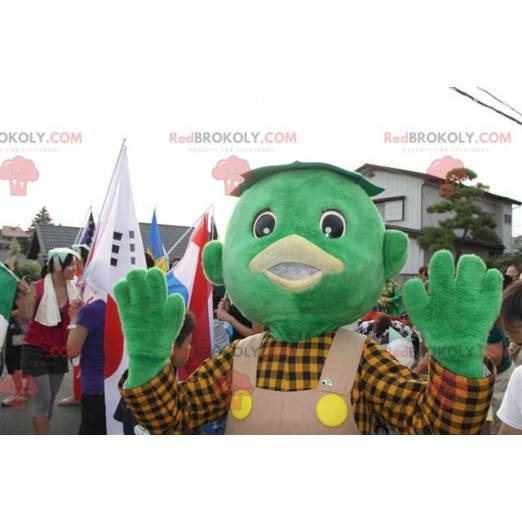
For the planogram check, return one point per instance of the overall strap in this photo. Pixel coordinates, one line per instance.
(245, 357)
(341, 366)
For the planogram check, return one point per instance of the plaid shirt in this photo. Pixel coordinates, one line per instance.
(384, 392)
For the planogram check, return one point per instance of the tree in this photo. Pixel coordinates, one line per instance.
(12, 258)
(30, 269)
(42, 218)
(467, 220)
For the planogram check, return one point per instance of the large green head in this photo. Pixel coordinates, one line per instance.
(306, 250)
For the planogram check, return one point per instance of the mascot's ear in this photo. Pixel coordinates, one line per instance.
(395, 252)
(213, 263)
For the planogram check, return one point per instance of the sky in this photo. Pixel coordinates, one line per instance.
(95, 77)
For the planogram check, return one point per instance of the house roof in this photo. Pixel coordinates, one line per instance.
(170, 234)
(367, 168)
(414, 233)
(8, 231)
(46, 237)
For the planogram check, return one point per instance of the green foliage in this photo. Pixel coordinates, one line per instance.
(467, 219)
(14, 248)
(437, 238)
(30, 269)
(42, 218)
(12, 258)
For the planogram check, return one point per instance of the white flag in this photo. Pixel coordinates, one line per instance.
(117, 248)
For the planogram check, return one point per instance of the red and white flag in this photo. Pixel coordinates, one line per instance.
(188, 279)
(117, 248)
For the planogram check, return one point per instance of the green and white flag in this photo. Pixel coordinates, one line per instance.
(7, 295)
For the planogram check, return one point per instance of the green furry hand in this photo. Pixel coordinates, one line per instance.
(150, 321)
(457, 315)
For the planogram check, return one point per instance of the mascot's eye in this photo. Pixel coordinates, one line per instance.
(332, 224)
(264, 224)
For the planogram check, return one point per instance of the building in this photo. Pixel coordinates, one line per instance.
(404, 203)
(7, 235)
(46, 237)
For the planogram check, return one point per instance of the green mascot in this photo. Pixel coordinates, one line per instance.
(306, 253)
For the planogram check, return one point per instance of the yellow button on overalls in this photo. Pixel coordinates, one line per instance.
(241, 405)
(331, 410)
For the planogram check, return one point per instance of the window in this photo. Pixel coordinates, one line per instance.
(391, 209)
(507, 219)
(394, 210)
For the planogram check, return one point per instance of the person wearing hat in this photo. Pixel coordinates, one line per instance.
(306, 252)
(46, 306)
(83, 251)
(75, 399)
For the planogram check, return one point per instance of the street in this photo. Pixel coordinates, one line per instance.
(66, 419)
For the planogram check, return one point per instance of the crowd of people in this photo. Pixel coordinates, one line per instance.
(51, 329)
(389, 319)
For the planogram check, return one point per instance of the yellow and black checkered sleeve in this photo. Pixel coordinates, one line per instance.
(446, 404)
(165, 406)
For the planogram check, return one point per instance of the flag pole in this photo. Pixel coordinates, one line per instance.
(123, 143)
(114, 171)
(188, 230)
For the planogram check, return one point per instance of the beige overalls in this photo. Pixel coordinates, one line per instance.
(325, 410)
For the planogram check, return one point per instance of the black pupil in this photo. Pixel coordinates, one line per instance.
(332, 226)
(264, 225)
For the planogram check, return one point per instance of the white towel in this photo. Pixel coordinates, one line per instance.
(48, 312)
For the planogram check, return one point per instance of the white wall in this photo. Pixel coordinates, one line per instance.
(415, 260)
(402, 185)
(504, 230)
(430, 196)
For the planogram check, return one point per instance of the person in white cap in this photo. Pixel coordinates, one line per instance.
(75, 399)
(46, 305)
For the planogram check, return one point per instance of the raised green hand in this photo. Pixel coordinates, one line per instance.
(457, 315)
(150, 321)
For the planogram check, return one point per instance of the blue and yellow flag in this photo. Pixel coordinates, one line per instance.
(155, 248)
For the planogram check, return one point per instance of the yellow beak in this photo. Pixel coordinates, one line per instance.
(295, 264)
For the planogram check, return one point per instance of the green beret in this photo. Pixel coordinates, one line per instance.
(253, 176)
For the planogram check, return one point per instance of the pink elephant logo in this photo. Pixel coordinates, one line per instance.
(18, 171)
(239, 382)
(230, 170)
(440, 167)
